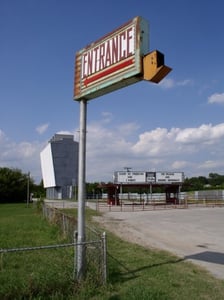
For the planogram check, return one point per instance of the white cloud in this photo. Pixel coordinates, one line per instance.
(216, 98)
(157, 141)
(185, 149)
(176, 141)
(211, 164)
(196, 150)
(180, 164)
(101, 141)
(22, 155)
(185, 82)
(107, 117)
(128, 128)
(205, 133)
(42, 128)
(168, 83)
(2, 135)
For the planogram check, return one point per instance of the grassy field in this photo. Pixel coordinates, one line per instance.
(133, 271)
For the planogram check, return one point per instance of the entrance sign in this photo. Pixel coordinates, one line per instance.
(112, 62)
(117, 60)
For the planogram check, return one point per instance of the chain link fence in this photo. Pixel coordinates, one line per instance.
(95, 247)
(95, 242)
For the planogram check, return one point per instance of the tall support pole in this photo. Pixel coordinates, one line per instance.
(81, 192)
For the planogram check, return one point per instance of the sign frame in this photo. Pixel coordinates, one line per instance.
(112, 62)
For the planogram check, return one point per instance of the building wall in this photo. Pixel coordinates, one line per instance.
(59, 164)
(65, 161)
(47, 167)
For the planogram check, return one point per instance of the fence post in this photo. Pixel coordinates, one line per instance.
(75, 253)
(63, 224)
(104, 246)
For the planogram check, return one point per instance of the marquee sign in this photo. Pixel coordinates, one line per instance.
(130, 177)
(112, 62)
(169, 177)
(142, 177)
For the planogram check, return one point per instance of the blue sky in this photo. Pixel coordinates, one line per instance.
(177, 125)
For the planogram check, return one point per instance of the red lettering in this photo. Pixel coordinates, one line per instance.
(113, 50)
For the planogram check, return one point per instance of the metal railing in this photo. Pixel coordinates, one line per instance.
(155, 204)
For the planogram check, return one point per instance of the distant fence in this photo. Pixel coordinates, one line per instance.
(158, 202)
(128, 206)
(66, 223)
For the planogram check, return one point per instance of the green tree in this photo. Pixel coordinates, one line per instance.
(216, 179)
(13, 185)
(93, 190)
(194, 183)
(38, 190)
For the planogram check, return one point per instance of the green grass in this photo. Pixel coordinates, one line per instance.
(26, 275)
(133, 271)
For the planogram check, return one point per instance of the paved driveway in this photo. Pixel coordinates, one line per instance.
(196, 234)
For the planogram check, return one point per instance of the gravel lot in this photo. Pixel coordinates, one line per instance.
(196, 234)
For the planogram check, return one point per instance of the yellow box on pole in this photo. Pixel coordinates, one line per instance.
(153, 67)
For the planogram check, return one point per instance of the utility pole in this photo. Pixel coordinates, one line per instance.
(128, 169)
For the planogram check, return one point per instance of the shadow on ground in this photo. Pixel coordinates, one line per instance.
(208, 256)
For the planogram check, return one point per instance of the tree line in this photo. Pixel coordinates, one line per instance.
(16, 185)
(213, 181)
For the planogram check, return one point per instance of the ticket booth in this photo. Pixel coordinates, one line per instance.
(112, 191)
(172, 194)
(112, 194)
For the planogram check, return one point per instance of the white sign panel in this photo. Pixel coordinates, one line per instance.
(47, 167)
(130, 177)
(169, 177)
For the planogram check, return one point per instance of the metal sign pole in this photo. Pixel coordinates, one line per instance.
(81, 192)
